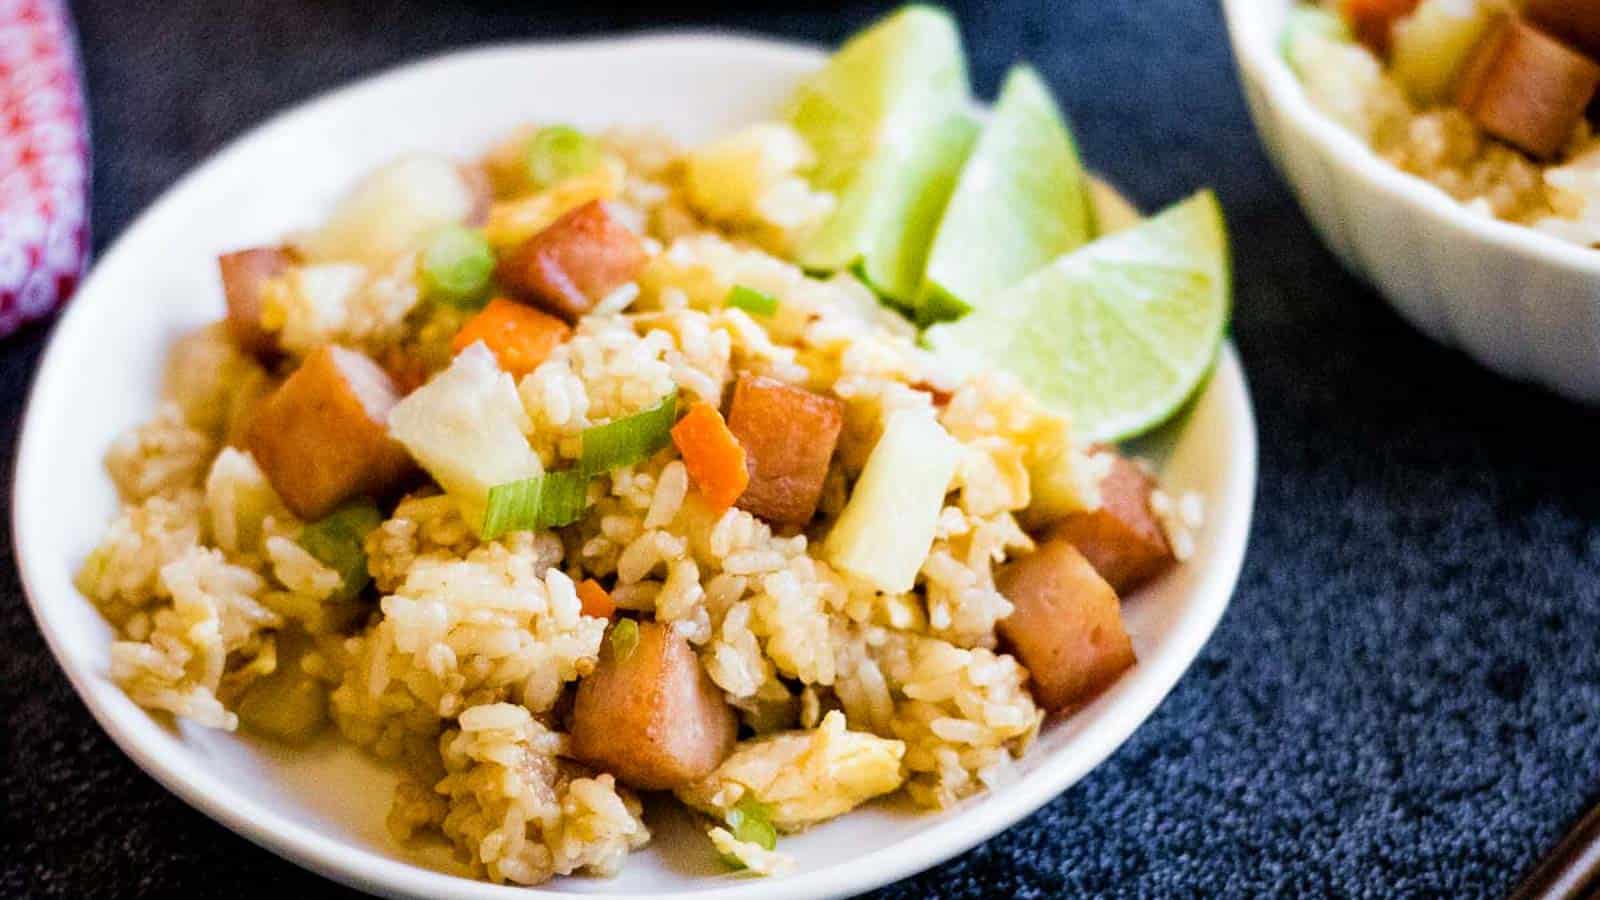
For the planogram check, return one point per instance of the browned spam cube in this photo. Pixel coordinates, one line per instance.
(1575, 21)
(652, 718)
(788, 435)
(575, 262)
(1526, 88)
(1373, 20)
(1121, 538)
(322, 437)
(245, 274)
(1066, 627)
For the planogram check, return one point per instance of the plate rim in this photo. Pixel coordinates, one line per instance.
(367, 870)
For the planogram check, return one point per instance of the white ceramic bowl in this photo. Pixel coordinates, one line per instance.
(324, 808)
(1521, 302)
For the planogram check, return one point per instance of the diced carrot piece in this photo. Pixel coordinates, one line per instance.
(570, 266)
(788, 435)
(244, 274)
(1066, 627)
(1121, 539)
(714, 457)
(1372, 20)
(322, 437)
(1527, 88)
(520, 336)
(596, 602)
(1575, 21)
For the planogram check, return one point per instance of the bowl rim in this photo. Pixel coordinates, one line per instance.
(133, 730)
(1255, 49)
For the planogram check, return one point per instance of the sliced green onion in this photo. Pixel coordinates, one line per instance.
(750, 821)
(543, 501)
(624, 639)
(564, 498)
(513, 506)
(752, 301)
(338, 541)
(559, 152)
(456, 266)
(629, 440)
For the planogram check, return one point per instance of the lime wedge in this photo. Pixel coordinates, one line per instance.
(1112, 211)
(887, 118)
(1117, 334)
(1021, 202)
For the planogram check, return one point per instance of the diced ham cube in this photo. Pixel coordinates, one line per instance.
(1067, 626)
(1527, 88)
(1574, 21)
(322, 437)
(570, 266)
(652, 718)
(1122, 538)
(788, 435)
(244, 274)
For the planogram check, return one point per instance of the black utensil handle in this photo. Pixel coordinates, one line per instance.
(1572, 870)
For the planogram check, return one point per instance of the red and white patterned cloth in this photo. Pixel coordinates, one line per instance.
(44, 162)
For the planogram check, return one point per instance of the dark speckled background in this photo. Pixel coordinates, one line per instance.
(1403, 699)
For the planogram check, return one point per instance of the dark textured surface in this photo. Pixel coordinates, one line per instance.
(1405, 695)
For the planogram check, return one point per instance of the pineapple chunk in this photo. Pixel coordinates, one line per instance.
(467, 428)
(1061, 482)
(391, 211)
(239, 498)
(1429, 46)
(750, 178)
(884, 533)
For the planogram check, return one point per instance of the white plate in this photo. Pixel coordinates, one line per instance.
(325, 808)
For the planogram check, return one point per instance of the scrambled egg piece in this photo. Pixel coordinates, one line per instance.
(804, 777)
(752, 856)
(512, 222)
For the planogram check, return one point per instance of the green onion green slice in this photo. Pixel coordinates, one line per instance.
(559, 152)
(543, 501)
(456, 266)
(338, 541)
(624, 639)
(629, 440)
(750, 821)
(564, 498)
(752, 301)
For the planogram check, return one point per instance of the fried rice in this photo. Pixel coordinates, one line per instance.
(458, 666)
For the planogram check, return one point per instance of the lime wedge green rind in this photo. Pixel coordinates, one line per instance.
(886, 119)
(1118, 334)
(1022, 200)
